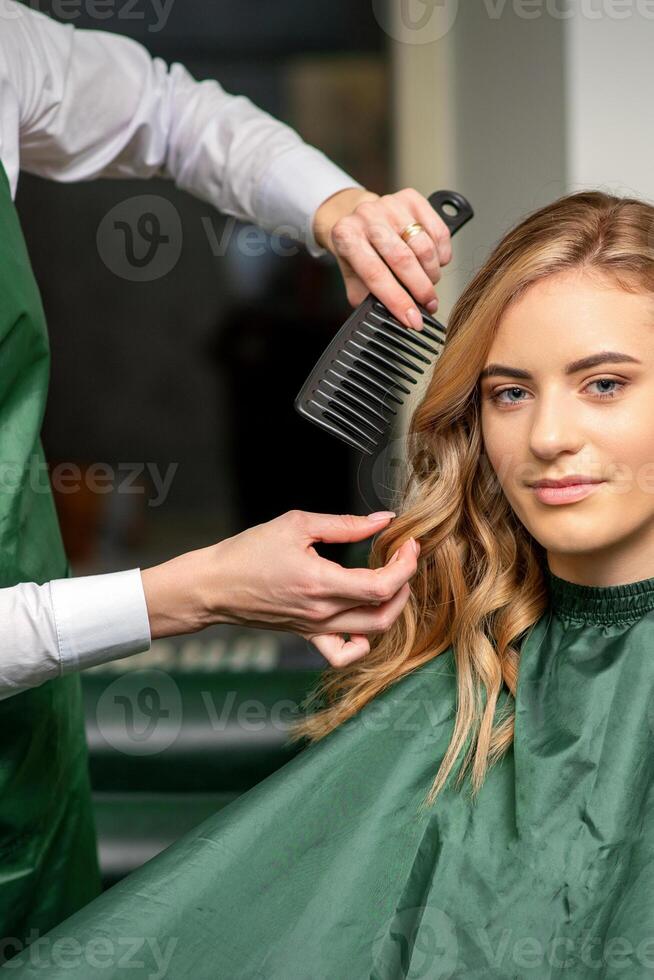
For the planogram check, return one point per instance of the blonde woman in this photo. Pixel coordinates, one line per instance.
(477, 796)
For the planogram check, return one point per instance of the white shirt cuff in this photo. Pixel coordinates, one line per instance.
(292, 189)
(100, 618)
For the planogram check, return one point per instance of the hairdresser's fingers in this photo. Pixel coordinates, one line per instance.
(403, 261)
(415, 264)
(341, 528)
(431, 221)
(366, 619)
(422, 246)
(339, 651)
(327, 579)
(364, 271)
(372, 586)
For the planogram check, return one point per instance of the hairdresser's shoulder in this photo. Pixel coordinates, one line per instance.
(29, 41)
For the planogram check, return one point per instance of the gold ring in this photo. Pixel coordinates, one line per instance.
(413, 229)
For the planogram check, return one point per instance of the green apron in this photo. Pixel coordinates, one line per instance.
(48, 862)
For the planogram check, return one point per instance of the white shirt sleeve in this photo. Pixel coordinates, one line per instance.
(69, 624)
(80, 104)
(77, 104)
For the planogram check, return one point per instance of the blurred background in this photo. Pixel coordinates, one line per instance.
(182, 385)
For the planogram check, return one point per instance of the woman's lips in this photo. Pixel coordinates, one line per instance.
(565, 495)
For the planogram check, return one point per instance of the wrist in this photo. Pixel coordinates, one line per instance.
(174, 596)
(335, 207)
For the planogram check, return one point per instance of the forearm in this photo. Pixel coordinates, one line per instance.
(247, 163)
(95, 104)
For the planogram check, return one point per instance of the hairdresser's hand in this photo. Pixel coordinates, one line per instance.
(271, 576)
(362, 230)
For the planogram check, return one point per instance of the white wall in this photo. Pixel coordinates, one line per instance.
(610, 92)
(480, 109)
(515, 102)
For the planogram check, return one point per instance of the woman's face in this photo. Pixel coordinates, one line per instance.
(544, 416)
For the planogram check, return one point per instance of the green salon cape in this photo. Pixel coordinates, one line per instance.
(48, 864)
(326, 870)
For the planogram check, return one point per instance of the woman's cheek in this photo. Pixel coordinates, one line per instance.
(495, 450)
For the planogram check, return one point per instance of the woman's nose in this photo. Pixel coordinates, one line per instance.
(553, 426)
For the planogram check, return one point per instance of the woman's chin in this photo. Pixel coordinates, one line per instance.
(563, 532)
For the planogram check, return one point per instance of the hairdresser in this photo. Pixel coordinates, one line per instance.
(76, 105)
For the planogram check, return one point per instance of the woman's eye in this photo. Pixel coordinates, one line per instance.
(603, 393)
(611, 381)
(496, 397)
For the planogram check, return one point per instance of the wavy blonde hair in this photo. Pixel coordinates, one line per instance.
(480, 584)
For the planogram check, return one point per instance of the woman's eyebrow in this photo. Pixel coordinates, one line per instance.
(603, 357)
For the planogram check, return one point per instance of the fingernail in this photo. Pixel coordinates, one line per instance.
(432, 306)
(381, 515)
(414, 318)
(415, 546)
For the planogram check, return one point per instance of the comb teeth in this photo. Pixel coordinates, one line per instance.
(432, 329)
(366, 374)
(374, 361)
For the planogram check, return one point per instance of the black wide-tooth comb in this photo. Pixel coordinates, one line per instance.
(367, 371)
